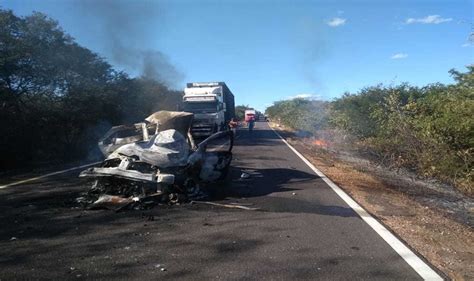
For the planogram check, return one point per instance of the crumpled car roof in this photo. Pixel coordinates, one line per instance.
(121, 135)
(178, 120)
(166, 149)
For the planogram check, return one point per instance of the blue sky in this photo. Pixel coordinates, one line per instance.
(272, 50)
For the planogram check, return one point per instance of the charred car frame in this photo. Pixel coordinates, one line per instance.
(159, 157)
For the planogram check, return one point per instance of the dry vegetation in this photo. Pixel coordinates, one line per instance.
(428, 130)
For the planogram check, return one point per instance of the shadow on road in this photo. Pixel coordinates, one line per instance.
(261, 137)
(264, 182)
(261, 182)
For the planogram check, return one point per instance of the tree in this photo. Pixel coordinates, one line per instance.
(57, 97)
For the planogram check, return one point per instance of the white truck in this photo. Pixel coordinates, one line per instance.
(212, 104)
(250, 114)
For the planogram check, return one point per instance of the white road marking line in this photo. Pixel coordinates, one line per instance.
(47, 175)
(424, 270)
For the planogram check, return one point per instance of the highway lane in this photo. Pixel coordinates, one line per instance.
(304, 230)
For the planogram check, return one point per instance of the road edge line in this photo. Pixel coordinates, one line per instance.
(47, 175)
(423, 269)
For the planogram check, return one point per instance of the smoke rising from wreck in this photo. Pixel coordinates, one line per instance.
(312, 43)
(127, 30)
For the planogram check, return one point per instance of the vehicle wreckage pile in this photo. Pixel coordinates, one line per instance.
(156, 161)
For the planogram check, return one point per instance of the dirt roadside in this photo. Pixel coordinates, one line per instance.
(436, 224)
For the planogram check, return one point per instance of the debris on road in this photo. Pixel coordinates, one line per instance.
(112, 202)
(160, 266)
(250, 173)
(232, 206)
(156, 161)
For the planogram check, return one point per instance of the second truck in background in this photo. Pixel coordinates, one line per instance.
(212, 104)
(250, 114)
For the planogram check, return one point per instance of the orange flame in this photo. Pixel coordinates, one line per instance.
(320, 143)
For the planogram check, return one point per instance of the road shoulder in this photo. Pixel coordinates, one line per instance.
(443, 241)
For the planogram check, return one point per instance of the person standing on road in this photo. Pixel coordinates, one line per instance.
(233, 126)
(251, 124)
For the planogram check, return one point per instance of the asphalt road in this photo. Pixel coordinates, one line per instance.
(303, 230)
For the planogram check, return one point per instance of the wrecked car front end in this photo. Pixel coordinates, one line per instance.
(158, 158)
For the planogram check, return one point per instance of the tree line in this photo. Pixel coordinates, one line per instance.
(57, 97)
(429, 129)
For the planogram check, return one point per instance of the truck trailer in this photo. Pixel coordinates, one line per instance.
(212, 104)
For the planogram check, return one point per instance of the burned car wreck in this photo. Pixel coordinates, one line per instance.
(156, 161)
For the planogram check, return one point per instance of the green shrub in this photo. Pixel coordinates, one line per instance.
(429, 130)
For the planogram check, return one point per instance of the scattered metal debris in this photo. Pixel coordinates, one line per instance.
(232, 206)
(241, 204)
(112, 202)
(250, 173)
(156, 161)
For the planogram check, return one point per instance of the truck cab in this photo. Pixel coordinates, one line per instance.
(212, 104)
(250, 115)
